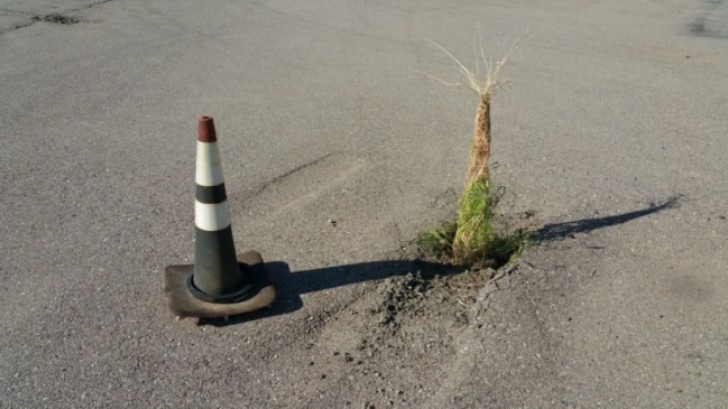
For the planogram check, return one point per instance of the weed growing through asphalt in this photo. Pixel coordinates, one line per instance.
(491, 247)
(473, 237)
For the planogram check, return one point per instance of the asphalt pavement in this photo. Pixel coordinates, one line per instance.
(337, 150)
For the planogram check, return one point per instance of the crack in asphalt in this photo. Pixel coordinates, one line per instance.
(56, 18)
(259, 189)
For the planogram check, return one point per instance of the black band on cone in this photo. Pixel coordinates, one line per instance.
(210, 194)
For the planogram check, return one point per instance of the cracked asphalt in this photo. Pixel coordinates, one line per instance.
(612, 133)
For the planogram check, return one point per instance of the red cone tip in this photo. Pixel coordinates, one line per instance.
(206, 130)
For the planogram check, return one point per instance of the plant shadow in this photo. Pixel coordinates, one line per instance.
(560, 231)
(291, 285)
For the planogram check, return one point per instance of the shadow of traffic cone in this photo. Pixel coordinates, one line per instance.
(219, 284)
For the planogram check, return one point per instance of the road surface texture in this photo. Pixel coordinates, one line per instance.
(337, 151)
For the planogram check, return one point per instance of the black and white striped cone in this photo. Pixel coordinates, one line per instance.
(219, 284)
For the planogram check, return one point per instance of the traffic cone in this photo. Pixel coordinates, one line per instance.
(219, 284)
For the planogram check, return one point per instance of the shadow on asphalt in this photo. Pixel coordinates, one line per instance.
(290, 286)
(559, 231)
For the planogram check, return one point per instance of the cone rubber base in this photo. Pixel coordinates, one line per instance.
(184, 304)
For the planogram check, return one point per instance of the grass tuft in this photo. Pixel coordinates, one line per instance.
(473, 236)
(438, 241)
(487, 246)
(475, 231)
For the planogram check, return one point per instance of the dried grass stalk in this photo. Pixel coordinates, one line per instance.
(475, 232)
(479, 168)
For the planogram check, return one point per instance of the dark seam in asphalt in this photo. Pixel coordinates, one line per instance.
(259, 189)
(34, 18)
(18, 27)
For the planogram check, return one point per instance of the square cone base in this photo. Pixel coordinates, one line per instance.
(184, 304)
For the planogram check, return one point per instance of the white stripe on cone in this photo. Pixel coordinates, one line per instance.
(212, 217)
(208, 170)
